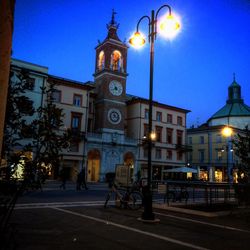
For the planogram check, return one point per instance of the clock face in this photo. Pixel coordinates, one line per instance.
(115, 88)
(114, 116)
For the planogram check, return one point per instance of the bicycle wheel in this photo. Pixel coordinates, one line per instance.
(135, 200)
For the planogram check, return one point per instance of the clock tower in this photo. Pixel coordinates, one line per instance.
(110, 81)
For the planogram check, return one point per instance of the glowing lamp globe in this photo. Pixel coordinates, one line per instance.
(137, 40)
(226, 131)
(169, 26)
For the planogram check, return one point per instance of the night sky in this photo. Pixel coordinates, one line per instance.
(192, 71)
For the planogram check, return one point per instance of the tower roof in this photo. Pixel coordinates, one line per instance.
(235, 104)
(112, 27)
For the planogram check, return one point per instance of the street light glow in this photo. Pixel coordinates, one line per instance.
(137, 40)
(227, 131)
(169, 26)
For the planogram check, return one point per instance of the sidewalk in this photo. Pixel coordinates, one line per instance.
(71, 185)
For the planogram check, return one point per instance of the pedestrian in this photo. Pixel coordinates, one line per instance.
(78, 181)
(83, 179)
(63, 179)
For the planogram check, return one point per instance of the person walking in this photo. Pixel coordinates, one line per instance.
(83, 179)
(63, 179)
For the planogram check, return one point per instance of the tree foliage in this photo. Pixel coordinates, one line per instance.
(242, 150)
(19, 107)
(49, 137)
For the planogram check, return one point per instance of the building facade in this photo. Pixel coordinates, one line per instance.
(212, 152)
(112, 124)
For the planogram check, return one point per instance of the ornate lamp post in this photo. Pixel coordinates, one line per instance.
(168, 27)
(227, 132)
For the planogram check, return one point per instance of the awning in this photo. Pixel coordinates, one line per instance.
(181, 170)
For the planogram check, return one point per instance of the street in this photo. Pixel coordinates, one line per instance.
(67, 219)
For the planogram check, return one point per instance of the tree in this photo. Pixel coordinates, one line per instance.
(18, 108)
(49, 137)
(242, 150)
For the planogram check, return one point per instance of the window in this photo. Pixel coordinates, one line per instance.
(179, 120)
(76, 120)
(179, 137)
(56, 96)
(90, 107)
(101, 60)
(190, 140)
(77, 100)
(158, 116)
(145, 130)
(179, 155)
(169, 135)
(116, 61)
(145, 152)
(218, 139)
(201, 155)
(190, 156)
(219, 154)
(169, 154)
(146, 114)
(158, 153)
(202, 140)
(158, 133)
(169, 118)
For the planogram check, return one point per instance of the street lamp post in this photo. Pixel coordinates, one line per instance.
(227, 132)
(168, 25)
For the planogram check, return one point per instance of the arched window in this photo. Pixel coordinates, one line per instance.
(101, 60)
(116, 61)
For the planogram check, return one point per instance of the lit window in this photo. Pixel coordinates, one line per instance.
(116, 61)
(101, 60)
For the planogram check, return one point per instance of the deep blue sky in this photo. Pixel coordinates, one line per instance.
(193, 71)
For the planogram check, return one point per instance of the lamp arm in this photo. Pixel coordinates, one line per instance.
(163, 6)
(137, 26)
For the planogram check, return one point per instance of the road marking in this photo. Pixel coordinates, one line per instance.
(133, 229)
(58, 204)
(204, 223)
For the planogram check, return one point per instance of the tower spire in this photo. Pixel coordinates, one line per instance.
(112, 27)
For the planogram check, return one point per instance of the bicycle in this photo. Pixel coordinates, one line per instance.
(174, 195)
(126, 198)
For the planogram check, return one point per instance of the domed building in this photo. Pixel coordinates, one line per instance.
(212, 151)
(235, 113)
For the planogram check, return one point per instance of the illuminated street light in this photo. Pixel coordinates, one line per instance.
(227, 132)
(169, 27)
